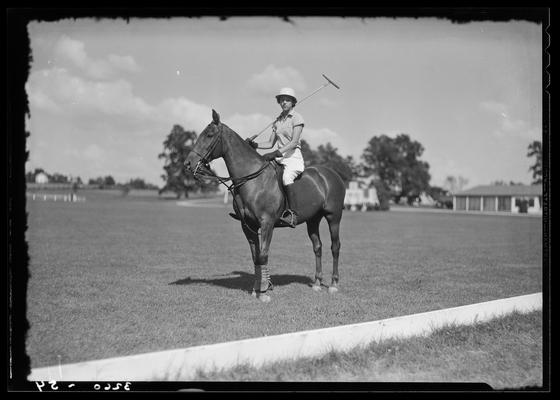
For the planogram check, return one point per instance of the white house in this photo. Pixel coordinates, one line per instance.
(41, 177)
(358, 196)
(512, 199)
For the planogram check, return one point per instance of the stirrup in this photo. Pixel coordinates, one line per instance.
(289, 217)
(235, 216)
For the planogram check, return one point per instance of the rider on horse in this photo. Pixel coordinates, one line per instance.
(286, 131)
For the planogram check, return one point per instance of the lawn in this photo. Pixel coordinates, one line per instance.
(116, 276)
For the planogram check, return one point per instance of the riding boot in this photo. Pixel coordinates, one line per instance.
(235, 216)
(289, 216)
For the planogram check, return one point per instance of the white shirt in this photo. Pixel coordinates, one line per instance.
(283, 127)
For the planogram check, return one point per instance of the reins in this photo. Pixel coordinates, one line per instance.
(207, 173)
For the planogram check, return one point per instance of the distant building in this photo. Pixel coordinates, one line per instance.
(359, 196)
(41, 177)
(425, 200)
(510, 199)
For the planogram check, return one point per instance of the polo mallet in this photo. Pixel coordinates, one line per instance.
(329, 82)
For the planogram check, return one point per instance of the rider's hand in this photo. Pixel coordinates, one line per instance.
(271, 156)
(253, 144)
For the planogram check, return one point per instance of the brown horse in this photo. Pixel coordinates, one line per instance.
(259, 198)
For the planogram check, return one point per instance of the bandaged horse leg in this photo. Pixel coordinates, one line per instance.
(263, 283)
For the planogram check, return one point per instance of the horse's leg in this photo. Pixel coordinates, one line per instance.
(262, 272)
(253, 239)
(334, 225)
(313, 232)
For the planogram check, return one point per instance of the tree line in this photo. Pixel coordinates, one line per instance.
(101, 182)
(393, 165)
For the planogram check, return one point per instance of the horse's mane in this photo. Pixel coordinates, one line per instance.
(229, 130)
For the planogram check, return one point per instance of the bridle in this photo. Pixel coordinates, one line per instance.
(203, 161)
(203, 171)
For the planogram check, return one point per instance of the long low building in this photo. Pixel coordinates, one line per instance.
(502, 198)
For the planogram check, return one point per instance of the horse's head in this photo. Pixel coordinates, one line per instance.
(208, 146)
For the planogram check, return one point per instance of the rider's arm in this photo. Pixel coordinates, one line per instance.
(269, 144)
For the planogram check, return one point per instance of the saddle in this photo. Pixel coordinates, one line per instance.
(279, 169)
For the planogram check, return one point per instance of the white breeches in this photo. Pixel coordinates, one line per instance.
(293, 166)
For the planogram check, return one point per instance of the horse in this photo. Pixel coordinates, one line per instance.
(259, 200)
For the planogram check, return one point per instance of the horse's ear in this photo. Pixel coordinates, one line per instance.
(215, 117)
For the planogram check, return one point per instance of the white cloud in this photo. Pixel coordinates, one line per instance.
(72, 50)
(316, 137)
(274, 78)
(182, 111)
(67, 49)
(57, 90)
(107, 115)
(249, 125)
(494, 107)
(508, 126)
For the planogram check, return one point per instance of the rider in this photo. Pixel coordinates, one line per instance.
(286, 130)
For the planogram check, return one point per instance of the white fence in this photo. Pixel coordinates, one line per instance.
(55, 197)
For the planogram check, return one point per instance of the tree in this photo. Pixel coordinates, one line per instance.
(309, 155)
(328, 155)
(30, 176)
(178, 179)
(396, 163)
(455, 184)
(535, 150)
(137, 183)
(441, 196)
(108, 181)
(58, 178)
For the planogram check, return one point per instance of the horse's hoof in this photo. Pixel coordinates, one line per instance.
(316, 288)
(333, 289)
(254, 293)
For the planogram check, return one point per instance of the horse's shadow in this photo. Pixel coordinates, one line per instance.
(244, 281)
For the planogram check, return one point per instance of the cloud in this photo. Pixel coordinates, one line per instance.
(274, 78)
(493, 107)
(67, 49)
(57, 90)
(250, 124)
(508, 126)
(182, 111)
(316, 137)
(98, 120)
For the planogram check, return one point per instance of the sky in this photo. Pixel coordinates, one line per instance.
(104, 94)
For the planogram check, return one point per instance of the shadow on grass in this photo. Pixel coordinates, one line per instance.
(244, 281)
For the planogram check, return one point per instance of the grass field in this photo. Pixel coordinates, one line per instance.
(116, 276)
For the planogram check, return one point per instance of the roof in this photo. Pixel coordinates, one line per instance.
(503, 190)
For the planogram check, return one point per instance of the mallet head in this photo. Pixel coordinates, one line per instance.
(331, 82)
